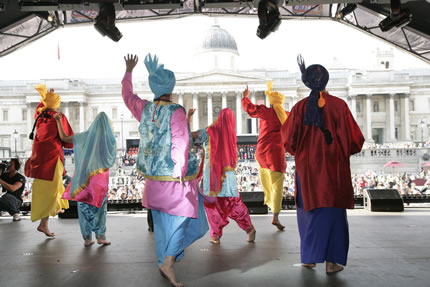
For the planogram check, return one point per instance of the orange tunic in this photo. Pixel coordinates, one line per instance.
(270, 152)
(47, 147)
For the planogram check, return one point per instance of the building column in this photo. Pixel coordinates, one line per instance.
(195, 106)
(238, 113)
(253, 120)
(67, 111)
(224, 100)
(30, 119)
(81, 117)
(407, 121)
(368, 119)
(354, 106)
(391, 118)
(181, 99)
(210, 109)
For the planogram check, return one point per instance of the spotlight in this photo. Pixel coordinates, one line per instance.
(105, 22)
(398, 17)
(269, 16)
(48, 16)
(348, 9)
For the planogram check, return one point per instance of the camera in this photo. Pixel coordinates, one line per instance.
(4, 165)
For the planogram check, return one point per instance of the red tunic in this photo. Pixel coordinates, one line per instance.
(270, 151)
(323, 170)
(47, 147)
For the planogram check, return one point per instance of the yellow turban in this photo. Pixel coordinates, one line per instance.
(49, 99)
(276, 99)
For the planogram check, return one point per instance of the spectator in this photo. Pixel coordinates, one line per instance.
(14, 183)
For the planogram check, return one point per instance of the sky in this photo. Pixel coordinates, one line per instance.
(84, 53)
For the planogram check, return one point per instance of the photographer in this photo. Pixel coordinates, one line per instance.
(13, 183)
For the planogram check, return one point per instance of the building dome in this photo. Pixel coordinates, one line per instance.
(218, 39)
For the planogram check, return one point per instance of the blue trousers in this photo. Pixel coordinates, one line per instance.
(92, 219)
(324, 234)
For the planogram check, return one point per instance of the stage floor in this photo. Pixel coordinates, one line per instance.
(386, 249)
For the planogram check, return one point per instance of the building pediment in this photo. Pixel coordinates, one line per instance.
(219, 78)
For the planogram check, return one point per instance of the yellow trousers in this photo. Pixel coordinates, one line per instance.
(273, 185)
(46, 195)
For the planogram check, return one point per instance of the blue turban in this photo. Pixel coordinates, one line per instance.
(315, 77)
(161, 81)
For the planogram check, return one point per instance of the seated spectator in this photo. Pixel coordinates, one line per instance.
(13, 183)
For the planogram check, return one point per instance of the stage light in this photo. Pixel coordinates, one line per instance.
(269, 17)
(398, 17)
(48, 16)
(348, 9)
(105, 22)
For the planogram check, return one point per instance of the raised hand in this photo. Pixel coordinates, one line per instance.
(245, 93)
(130, 62)
(190, 113)
(57, 116)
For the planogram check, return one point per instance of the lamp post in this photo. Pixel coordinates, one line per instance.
(122, 131)
(422, 131)
(15, 137)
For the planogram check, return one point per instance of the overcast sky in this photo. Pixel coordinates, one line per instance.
(85, 53)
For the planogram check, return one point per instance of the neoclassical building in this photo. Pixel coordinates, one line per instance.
(389, 105)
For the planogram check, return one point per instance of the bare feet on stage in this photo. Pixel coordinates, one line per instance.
(60, 211)
(166, 270)
(88, 243)
(251, 235)
(309, 265)
(45, 230)
(214, 240)
(331, 267)
(278, 225)
(103, 241)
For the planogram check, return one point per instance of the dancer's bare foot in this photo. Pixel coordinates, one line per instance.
(103, 241)
(331, 267)
(88, 243)
(309, 265)
(45, 230)
(169, 274)
(278, 225)
(60, 211)
(251, 235)
(214, 240)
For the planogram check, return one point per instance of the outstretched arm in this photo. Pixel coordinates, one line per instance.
(131, 100)
(65, 138)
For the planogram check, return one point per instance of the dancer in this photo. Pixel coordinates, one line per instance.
(95, 153)
(46, 164)
(322, 134)
(219, 177)
(270, 152)
(169, 167)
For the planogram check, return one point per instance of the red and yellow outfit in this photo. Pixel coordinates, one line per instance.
(46, 164)
(270, 152)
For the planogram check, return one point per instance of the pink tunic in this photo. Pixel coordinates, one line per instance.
(169, 197)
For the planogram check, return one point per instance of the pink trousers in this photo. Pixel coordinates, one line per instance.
(224, 208)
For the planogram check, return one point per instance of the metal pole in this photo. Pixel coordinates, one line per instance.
(122, 132)
(16, 155)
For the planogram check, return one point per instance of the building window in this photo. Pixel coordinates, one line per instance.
(114, 113)
(249, 126)
(358, 107)
(375, 106)
(24, 114)
(5, 141)
(411, 105)
(396, 133)
(396, 106)
(95, 111)
(5, 115)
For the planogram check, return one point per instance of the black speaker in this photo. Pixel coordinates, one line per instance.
(71, 212)
(254, 201)
(383, 200)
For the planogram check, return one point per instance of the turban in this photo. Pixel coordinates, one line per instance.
(315, 77)
(161, 81)
(49, 99)
(276, 99)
